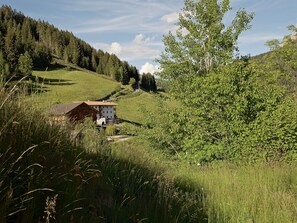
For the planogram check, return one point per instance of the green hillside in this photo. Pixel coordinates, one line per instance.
(138, 106)
(60, 86)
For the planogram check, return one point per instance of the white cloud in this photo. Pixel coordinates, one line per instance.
(138, 38)
(142, 39)
(170, 18)
(129, 51)
(149, 68)
(115, 48)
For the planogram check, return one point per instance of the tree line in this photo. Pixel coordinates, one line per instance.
(27, 43)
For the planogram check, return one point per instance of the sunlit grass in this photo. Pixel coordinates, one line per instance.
(227, 192)
(138, 106)
(61, 86)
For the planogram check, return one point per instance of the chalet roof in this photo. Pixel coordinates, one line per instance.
(62, 109)
(100, 103)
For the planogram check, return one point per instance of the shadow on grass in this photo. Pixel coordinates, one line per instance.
(139, 194)
(50, 81)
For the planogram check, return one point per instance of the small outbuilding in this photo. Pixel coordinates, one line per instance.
(75, 112)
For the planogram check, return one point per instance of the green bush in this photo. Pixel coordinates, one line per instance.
(110, 130)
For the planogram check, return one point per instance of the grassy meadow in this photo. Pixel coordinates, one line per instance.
(138, 106)
(62, 86)
(224, 192)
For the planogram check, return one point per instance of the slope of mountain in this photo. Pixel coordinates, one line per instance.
(63, 85)
(25, 42)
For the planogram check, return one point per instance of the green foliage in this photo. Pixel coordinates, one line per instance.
(237, 113)
(110, 130)
(4, 68)
(128, 129)
(25, 64)
(192, 64)
(202, 42)
(273, 44)
(41, 56)
(273, 136)
(91, 139)
(230, 110)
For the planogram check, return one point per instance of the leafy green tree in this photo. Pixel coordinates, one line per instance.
(273, 44)
(25, 64)
(202, 42)
(213, 98)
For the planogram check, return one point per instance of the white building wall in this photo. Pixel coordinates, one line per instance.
(108, 112)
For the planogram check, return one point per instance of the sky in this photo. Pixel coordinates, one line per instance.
(133, 29)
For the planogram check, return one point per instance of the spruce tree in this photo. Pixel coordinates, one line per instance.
(25, 64)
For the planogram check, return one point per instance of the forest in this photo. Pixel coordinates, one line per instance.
(26, 43)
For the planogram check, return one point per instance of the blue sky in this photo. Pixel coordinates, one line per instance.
(133, 29)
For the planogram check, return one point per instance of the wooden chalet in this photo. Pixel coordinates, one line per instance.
(75, 112)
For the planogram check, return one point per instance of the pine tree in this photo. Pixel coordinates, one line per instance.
(10, 50)
(25, 64)
(125, 74)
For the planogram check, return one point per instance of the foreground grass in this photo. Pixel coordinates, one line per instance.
(257, 193)
(226, 192)
(61, 86)
(46, 178)
(42, 174)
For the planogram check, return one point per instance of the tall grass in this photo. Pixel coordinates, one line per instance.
(46, 178)
(222, 192)
(39, 163)
(139, 190)
(247, 193)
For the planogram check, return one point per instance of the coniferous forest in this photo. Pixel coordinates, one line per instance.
(26, 43)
